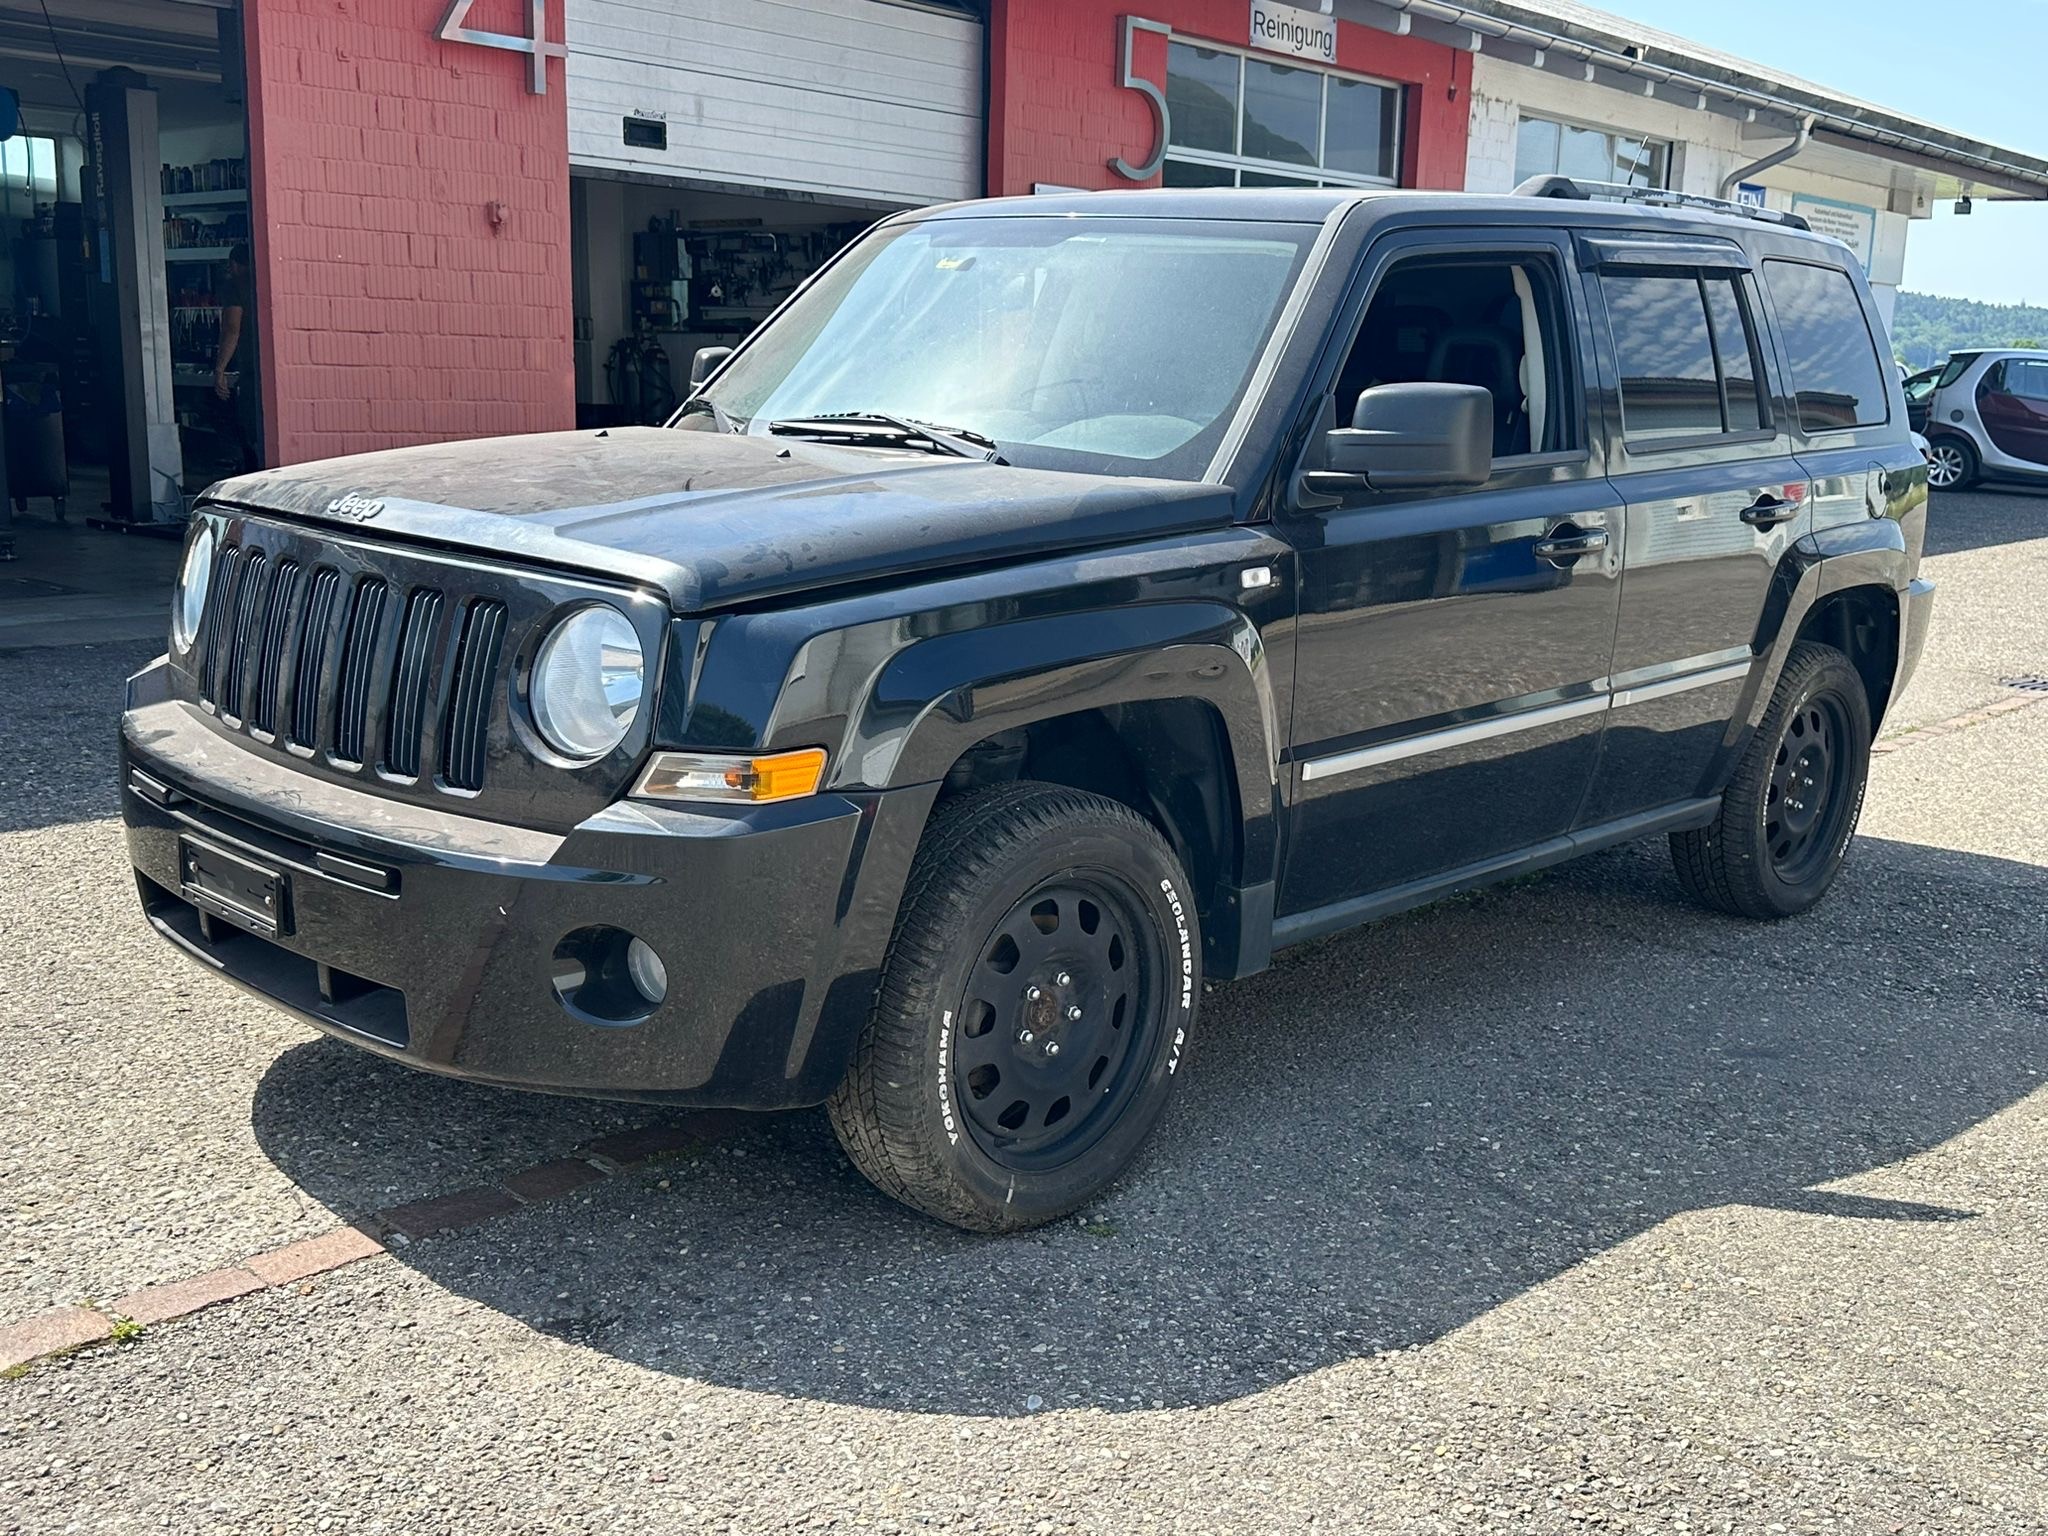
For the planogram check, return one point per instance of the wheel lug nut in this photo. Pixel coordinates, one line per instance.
(1063, 979)
(1052, 1047)
(1033, 994)
(1074, 1013)
(1025, 1037)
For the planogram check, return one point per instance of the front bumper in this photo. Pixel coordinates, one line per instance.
(430, 937)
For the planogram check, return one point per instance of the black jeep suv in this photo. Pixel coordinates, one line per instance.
(1058, 603)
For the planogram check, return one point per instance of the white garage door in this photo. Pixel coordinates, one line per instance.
(858, 97)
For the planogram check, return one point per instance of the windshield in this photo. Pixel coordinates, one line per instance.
(1109, 345)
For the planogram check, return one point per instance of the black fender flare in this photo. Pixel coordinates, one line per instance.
(938, 696)
(1872, 553)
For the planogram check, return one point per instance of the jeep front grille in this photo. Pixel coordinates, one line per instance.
(271, 653)
(392, 668)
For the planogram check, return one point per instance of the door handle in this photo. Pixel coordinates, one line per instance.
(1769, 511)
(1566, 543)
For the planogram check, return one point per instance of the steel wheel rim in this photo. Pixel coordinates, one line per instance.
(1809, 789)
(1071, 1052)
(1944, 467)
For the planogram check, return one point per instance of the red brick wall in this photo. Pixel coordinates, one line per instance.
(1056, 114)
(393, 308)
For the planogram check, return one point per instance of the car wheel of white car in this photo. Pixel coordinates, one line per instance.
(1950, 465)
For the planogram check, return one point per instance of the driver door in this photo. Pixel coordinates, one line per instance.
(1453, 645)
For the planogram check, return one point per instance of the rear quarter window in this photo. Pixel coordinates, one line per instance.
(1836, 374)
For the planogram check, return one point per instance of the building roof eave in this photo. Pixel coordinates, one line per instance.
(1559, 35)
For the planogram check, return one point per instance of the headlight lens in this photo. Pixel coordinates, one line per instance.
(588, 681)
(188, 607)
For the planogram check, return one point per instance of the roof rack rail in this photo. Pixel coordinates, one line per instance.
(1652, 197)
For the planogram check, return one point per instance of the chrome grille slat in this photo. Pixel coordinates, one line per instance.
(278, 614)
(309, 668)
(465, 740)
(412, 681)
(358, 653)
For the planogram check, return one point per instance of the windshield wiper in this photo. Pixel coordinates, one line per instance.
(880, 426)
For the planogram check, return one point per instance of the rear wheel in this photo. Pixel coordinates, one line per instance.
(1033, 1010)
(1790, 809)
(1951, 464)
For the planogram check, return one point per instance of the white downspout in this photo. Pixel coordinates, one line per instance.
(1777, 156)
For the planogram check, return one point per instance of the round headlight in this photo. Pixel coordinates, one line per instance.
(587, 682)
(188, 607)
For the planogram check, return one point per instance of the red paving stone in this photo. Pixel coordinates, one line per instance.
(181, 1298)
(51, 1333)
(546, 1181)
(448, 1213)
(314, 1256)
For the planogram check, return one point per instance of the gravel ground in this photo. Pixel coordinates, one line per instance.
(1562, 1207)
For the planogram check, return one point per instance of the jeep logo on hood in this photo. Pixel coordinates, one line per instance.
(354, 507)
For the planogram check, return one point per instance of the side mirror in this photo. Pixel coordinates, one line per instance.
(707, 361)
(1410, 437)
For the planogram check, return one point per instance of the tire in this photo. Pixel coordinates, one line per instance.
(1789, 811)
(1952, 464)
(1014, 875)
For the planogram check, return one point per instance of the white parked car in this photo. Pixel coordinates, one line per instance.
(1988, 419)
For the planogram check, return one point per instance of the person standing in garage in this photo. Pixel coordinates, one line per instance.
(238, 341)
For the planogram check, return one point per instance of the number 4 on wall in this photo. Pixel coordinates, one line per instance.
(535, 44)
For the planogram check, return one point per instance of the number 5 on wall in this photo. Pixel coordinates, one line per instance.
(1133, 81)
(537, 45)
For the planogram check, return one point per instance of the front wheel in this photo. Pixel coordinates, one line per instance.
(1951, 464)
(1033, 1013)
(1790, 809)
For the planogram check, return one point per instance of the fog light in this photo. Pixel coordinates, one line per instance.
(608, 976)
(647, 971)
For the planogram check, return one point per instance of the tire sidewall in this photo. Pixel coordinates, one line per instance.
(1146, 873)
(1838, 678)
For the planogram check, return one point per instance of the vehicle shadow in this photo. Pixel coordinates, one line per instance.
(1959, 521)
(1383, 1138)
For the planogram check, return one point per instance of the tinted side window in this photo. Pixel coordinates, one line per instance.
(1835, 369)
(1669, 386)
(2027, 378)
(1738, 358)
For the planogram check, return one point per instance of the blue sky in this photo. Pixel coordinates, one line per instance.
(1971, 65)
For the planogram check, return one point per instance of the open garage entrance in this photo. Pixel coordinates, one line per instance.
(124, 192)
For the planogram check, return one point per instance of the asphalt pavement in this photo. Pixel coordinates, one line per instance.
(1561, 1207)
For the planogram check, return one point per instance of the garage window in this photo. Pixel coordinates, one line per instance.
(1239, 121)
(1835, 370)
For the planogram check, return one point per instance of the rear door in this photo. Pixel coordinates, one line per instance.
(1844, 400)
(1452, 644)
(1702, 458)
(2013, 403)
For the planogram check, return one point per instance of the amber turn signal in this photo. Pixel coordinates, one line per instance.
(718, 776)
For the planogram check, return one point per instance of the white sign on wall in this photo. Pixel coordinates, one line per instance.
(1291, 30)
(1851, 223)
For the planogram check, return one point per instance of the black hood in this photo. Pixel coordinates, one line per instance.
(715, 519)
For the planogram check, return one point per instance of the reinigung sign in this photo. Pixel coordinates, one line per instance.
(1292, 30)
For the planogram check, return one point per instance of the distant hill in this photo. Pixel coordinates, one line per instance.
(1927, 327)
